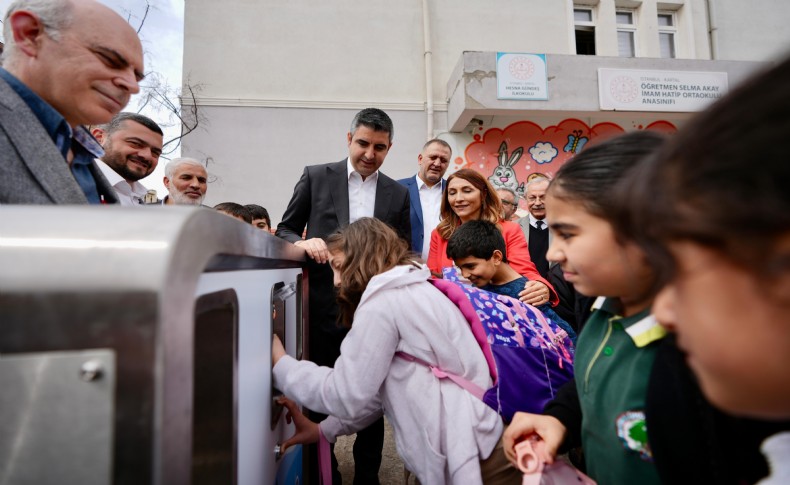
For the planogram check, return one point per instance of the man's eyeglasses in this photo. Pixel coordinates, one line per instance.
(507, 202)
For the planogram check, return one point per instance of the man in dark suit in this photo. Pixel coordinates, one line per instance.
(425, 193)
(326, 198)
(66, 65)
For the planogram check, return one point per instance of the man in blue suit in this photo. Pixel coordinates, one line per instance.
(425, 193)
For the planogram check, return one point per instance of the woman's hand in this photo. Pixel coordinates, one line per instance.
(549, 428)
(534, 293)
(306, 430)
(278, 351)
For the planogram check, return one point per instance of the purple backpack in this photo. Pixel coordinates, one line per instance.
(529, 357)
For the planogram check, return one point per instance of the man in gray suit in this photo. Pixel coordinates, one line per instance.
(67, 63)
(533, 225)
(326, 198)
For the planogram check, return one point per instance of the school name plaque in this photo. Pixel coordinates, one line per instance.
(676, 91)
(522, 76)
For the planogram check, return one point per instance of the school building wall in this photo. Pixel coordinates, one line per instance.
(280, 81)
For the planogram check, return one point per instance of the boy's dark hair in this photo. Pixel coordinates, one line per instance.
(478, 239)
(236, 210)
(258, 212)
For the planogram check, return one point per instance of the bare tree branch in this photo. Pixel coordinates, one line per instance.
(145, 16)
(129, 15)
(178, 107)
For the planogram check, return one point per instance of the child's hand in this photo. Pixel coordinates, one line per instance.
(306, 430)
(534, 293)
(278, 351)
(549, 428)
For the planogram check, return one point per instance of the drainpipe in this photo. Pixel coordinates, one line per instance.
(426, 33)
(712, 31)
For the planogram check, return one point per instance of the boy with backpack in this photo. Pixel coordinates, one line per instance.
(478, 250)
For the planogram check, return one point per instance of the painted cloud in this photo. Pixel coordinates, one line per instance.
(543, 152)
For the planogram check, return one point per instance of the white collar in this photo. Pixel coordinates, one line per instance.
(350, 170)
(110, 174)
(642, 332)
(421, 183)
(534, 222)
(114, 178)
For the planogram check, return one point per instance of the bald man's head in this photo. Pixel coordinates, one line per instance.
(79, 56)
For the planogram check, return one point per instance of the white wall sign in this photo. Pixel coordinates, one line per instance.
(636, 90)
(521, 76)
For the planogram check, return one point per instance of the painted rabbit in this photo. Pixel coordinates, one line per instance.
(504, 175)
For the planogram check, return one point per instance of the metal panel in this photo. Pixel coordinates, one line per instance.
(57, 415)
(215, 397)
(257, 460)
(125, 279)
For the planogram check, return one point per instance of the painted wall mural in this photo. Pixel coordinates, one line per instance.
(512, 156)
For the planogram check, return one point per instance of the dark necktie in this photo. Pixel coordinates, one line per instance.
(539, 225)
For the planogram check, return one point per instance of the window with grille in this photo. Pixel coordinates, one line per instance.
(666, 34)
(626, 33)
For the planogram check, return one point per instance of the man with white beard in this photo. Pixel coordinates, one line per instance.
(185, 180)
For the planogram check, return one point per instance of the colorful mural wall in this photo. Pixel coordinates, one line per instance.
(511, 156)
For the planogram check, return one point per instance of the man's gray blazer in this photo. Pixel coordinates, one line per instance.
(32, 169)
(524, 223)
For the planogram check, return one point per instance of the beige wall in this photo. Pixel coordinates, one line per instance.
(756, 30)
(256, 155)
(318, 53)
(280, 80)
(348, 53)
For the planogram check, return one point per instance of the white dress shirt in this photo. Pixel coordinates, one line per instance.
(534, 222)
(128, 195)
(431, 202)
(361, 193)
(776, 449)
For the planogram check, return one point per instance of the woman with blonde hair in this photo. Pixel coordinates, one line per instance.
(469, 196)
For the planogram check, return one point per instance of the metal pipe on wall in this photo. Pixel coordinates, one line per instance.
(712, 30)
(426, 33)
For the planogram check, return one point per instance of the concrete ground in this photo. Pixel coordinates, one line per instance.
(391, 472)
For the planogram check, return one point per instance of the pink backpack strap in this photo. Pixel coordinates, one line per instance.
(470, 386)
(459, 298)
(324, 460)
(555, 339)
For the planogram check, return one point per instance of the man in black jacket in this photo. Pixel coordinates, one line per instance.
(326, 198)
